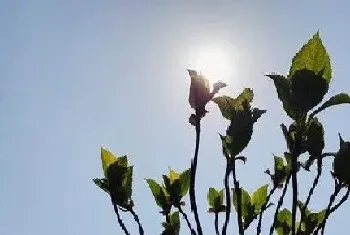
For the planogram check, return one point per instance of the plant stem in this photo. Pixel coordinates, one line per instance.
(263, 208)
(280, 203)
(193, 177)
(193, 232)
(120, 221)
(239, 200)
(228, 195)
(344, 198)
(337, 189)
(295, 196)
(311, 191)
(216, 223)
(334, 208)
(136, 218)
(296, 151)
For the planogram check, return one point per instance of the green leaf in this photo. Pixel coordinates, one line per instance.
(279, 163)
(102, 184)
(122, 161)
(312, 56)
(281, 171)
(157, 192)
(341, 98)
(221, 196)
(212, 194)
(308, 89)
(107, 158)
(259, 197)
(229, 106)
(226, 105)
(175, 222)
(173, 175)
(245, 202)
(185, 178)
(284, 222)
(285, 216)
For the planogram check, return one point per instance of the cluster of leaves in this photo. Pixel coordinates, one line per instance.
(251, 205)
(118, 179)
(169, 194)
(301, 93)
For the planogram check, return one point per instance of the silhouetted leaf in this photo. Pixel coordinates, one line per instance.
(315, 138)
(259, 197)
(128, 181)
(199, 92)
(284, 91)
(341, 162)
(312, 56)
(341, 98)
(308, 89)
(102, 184)
(119, 184)
(257, 114)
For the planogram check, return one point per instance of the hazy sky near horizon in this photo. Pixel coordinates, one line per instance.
(78, 75)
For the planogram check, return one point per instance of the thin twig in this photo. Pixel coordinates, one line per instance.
(311, 191)
(193, 232)
(136, 218)
(228, 195)
(280, 203)
(334, 208)
(337, 189)
(263, 208)
(216, 223)
(344, 198)
(193, 177)
(120, 221)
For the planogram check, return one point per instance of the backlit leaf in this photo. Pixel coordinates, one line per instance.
(312, 56)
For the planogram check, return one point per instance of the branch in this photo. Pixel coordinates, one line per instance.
(120, 221)
(344, 198)
(337, 189)
(193, 232)
(311, 191)
(193, 176)
(216, 223)
(334, 208)
(263, 208)
(280, 203)
(228, 194)
(136, 218)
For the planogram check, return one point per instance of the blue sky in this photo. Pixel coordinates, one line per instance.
(76, 75)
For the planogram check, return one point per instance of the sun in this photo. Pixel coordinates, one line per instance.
(214, 63)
